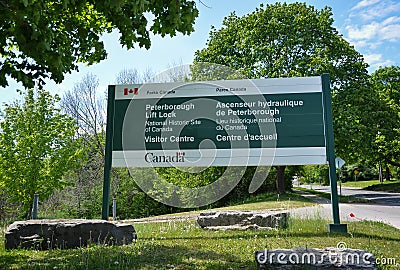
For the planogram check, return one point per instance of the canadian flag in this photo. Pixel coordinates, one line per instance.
(128, 91)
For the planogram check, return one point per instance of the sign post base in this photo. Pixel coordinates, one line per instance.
(337, 228)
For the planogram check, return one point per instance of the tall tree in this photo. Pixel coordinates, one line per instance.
(386, 83)
(37, 147)
(287, 40)
(46, 39)
(132, 76)
(84, 104)
(128, 76)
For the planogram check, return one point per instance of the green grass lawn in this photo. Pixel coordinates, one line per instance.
(386, 187)
(365, 184)
(184, 245)
(271, 201)
(266, 201)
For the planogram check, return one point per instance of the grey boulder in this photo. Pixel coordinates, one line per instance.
(233, 219)
(67, 233)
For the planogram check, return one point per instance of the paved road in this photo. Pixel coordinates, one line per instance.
(384, 207)
(380, 197)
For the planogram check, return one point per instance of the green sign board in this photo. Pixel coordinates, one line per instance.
(285, 121)
(219, 123)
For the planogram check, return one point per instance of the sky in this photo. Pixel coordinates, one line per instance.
(372, 26)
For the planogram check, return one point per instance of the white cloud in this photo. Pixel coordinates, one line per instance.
(365, 44)
(380, 11)
(391, 20)
(365, 3)
(369, 10)
(390, 29)
(373, 27)
(368, 31)
(376, 60)
(387, 30)
(390, 33)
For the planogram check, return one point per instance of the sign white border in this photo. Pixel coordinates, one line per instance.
(220, 157)
(224, 157)
(208, 88)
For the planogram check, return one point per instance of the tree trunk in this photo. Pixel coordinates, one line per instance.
(280, 179)
(387, 174)
(380, 173)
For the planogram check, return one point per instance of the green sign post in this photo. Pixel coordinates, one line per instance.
(108, 152)
(330, 149)
(284, 121)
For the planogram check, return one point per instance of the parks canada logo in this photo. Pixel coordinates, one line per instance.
(153, 158)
